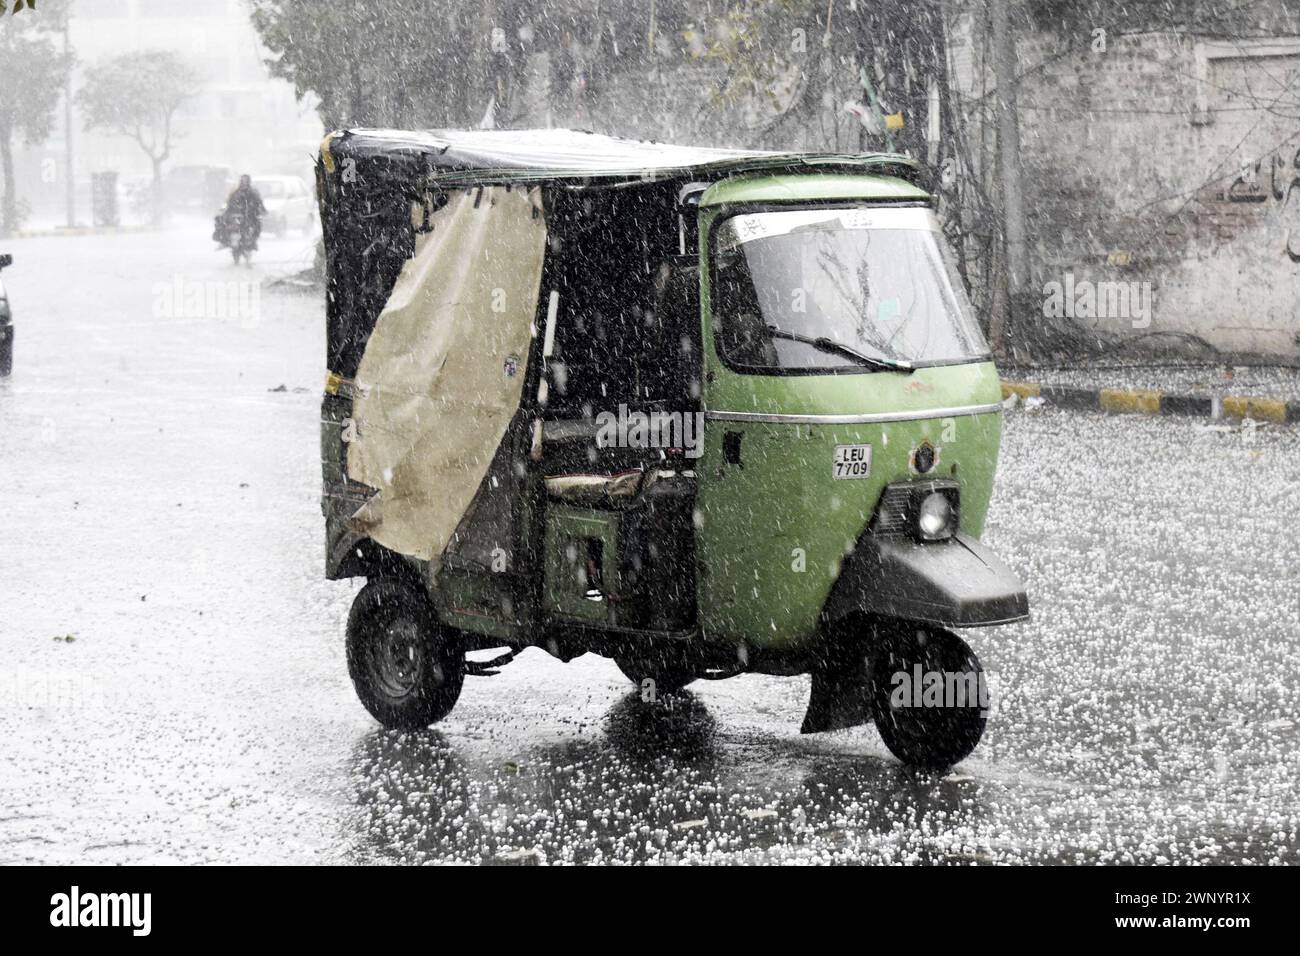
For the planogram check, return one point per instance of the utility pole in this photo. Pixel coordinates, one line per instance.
(1014, 272)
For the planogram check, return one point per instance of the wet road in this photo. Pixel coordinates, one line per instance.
(172, 683)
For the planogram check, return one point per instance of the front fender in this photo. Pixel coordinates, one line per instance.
(954, 583)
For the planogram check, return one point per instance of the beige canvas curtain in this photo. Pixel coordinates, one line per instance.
(443, 371)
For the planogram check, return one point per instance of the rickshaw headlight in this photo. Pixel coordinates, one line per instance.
(935, 518)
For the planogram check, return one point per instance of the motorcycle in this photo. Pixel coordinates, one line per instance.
(237, 232)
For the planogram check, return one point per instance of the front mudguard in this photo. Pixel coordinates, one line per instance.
(890, 580)
(953, 583)
(841, 687)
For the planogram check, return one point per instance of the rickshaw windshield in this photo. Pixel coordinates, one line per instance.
(839, 289)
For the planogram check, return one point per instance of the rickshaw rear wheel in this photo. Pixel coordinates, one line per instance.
(933, 725)
(668, 673)
(406, 668)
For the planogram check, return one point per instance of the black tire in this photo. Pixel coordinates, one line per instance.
(669, 673)
(919, 732)
(407, 669)
(6, 349)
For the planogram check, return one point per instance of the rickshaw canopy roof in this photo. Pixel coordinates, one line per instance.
(470, 156)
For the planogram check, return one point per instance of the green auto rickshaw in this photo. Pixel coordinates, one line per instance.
(704, 412)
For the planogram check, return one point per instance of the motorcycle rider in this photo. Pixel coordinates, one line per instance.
(246, 202)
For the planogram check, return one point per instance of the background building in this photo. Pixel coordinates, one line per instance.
(241, 118)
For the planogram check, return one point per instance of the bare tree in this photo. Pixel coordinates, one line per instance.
(137, 95)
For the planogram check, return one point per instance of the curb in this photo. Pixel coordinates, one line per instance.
(1147, 402)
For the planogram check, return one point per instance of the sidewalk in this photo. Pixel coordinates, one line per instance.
(1265, 393)
(81, 230)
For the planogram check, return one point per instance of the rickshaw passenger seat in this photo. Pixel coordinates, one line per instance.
(610, 491)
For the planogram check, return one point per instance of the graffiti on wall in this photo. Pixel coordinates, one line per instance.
(1273, 179)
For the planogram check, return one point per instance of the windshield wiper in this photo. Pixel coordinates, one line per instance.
(824, 344)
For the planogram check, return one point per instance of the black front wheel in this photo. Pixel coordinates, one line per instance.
(928, 695)
(407, 669)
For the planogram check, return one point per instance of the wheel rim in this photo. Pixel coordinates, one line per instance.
(397, 658)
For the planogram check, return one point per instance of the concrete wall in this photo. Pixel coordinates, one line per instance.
(1170, 163)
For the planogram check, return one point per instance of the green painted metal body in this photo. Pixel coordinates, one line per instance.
(774, 528)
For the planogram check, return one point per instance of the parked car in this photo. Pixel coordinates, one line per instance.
(289, 204)
(6, 323)
(197, 188)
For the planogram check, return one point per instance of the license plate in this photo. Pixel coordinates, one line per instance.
(852, 461)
